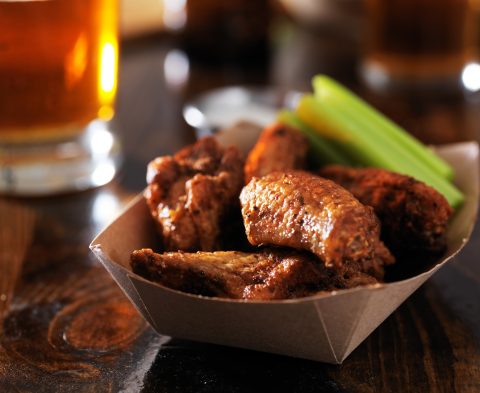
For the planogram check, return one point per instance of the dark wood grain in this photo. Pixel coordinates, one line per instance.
(16, 229)
(70, 329)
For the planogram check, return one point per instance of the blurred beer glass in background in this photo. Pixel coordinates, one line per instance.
(58, 79)
(418, 43)
(221, 31)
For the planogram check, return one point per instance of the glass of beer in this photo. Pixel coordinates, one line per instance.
(418, 43)
(58, 79)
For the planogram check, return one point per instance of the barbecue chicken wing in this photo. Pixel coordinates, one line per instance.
(190, 194)
(303, 211)
(266, 275)
(414, 216)
(278, 148)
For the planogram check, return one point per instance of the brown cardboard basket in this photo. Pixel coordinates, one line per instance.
(325, 327)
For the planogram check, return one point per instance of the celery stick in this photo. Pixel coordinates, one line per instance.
(400, 141)
(342, 132)
(355, 140)
(322, 152)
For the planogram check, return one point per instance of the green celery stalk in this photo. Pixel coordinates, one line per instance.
(322, 151)
(381, 127)
(355, 140)
(342, 132)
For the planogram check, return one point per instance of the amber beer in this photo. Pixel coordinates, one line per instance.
(58, 65)
(419, 39)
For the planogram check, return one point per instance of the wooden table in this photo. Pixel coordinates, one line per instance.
(68, 328)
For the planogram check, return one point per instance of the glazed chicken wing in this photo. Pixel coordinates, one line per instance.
(190, 194)
(303, 211)
(414, 216)
(266, 275)
(278, 148)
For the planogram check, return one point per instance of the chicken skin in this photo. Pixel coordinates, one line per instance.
(414, 216)
(278, 148)
(300, 210)
(190, 194)
(266, 275)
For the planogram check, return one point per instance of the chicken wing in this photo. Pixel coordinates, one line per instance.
(265, 275)
(303, 211)
(278, 148)
(191, 193)
(414, 216)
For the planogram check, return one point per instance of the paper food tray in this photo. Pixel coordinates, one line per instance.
(324, 327)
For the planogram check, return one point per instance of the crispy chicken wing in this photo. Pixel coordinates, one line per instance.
(303, 211)
(191, 193)
(265, 275)
(414, 216)
(278, 148)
